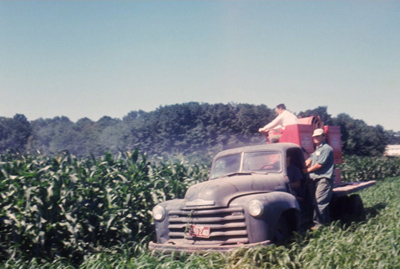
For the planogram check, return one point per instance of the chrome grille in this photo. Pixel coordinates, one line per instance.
(227, 225)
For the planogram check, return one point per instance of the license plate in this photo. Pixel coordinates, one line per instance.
(199, 231)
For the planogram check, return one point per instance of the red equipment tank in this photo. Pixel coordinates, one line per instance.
(301, 134)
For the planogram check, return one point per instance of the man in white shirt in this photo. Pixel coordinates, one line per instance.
(284, 119)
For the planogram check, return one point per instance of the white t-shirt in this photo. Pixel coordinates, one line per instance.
(284, 119)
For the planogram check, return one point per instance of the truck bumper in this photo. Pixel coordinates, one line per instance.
(170, 247)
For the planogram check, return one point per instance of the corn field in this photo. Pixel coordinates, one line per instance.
(66, 207)
(62, 211)
(357, 168)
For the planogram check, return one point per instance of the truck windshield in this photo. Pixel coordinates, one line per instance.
(226, 165)
(260, 161)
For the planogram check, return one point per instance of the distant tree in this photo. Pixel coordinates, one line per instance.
(53, 135)
(360, 139)
(111, 137)
(393, 138)
(87, 138)
(42, 135)
(248, 119)
(14, 133)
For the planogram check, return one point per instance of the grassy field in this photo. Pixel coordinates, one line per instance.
(63, 212)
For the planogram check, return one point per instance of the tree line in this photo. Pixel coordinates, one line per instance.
(188, 128)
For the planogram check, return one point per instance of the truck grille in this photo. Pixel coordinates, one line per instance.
(226, 225)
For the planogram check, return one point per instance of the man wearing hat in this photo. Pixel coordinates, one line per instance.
(320, 166)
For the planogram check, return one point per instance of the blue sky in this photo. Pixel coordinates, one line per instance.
(95, 58)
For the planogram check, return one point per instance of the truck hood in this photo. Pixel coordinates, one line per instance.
(219, 192)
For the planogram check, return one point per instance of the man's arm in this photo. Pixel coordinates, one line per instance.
(309, 168)
(313, 168)
(277, 121)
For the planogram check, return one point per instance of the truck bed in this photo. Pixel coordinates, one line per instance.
(342, 189)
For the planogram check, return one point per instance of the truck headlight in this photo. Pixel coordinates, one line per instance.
(158, 213)
(256, 208)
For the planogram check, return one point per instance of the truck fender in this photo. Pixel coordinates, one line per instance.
(278, 207)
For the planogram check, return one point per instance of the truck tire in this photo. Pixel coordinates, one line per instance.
(338, 208)
(355, 207)
(282, 231)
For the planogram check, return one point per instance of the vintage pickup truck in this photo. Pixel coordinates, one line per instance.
(247, 201)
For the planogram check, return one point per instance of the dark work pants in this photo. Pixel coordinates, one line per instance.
(323, 195)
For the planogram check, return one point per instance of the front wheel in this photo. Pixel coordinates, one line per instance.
(282, 231)
(338, 208)
(355, 208)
